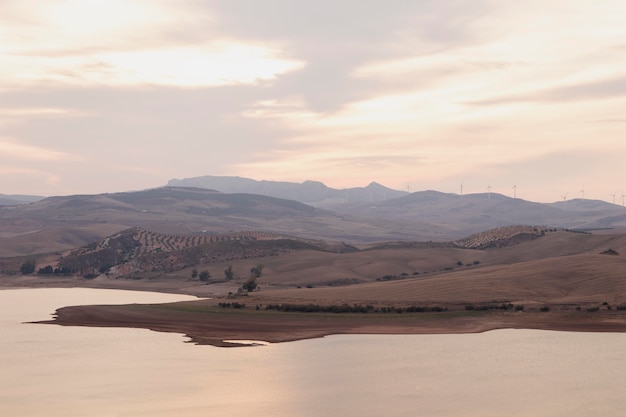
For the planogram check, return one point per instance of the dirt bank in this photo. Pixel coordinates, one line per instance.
(205, 323)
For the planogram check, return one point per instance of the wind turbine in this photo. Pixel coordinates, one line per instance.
(613, 195)
(514, 191)
(564, 197)
(489, 192)
(623, 195)
(582, 193)
(461, 189)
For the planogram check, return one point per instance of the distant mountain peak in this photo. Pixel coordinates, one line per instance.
(311, 192)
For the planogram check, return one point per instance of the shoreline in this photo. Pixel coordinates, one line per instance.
(205, 324)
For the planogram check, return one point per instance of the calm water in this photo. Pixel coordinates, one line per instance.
(48, 370)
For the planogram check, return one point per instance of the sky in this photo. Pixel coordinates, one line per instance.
(116, 95)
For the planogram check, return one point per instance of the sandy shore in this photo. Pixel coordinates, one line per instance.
(204, 323)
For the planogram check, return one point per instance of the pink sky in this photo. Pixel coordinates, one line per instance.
(103, 96)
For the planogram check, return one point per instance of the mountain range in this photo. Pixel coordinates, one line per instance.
(314, 193)
(218, 205)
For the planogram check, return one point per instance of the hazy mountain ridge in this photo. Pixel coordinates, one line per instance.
(175, 210)
(456, 215)
(310, 192)
(15, 199)
(420, 216)
(472, 213)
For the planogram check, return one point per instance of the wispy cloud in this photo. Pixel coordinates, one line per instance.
(118, 43)
(11, 151)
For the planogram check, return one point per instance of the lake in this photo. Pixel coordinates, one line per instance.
(49, 370)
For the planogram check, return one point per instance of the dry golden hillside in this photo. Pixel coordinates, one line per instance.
(567, 279)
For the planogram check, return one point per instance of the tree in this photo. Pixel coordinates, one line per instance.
(249, 285)
(194, 273)
(46, 270)
(205, 275)
(28, 267)
(256, 271)
(228, 273)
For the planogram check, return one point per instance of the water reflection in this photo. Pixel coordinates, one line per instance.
(75, 371)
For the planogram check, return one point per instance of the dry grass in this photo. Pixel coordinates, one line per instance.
(570, 279)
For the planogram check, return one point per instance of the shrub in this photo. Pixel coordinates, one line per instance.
(28, 267)
(544, 309)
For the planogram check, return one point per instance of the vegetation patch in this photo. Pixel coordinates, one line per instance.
(354, 308)
(487, 307)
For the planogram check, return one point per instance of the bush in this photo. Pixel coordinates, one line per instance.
(544, 309)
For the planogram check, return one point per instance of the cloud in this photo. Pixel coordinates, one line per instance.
(350, 91)
(608, 121)
(12, 151)
(118, 43)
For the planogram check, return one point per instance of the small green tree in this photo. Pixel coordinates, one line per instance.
(228, 273)
(205, 275)
(28, 267)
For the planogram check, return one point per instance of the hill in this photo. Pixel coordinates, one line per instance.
(560, 267)
(60, 223)
(432, 214)
(63, 223)
(554, 266)
(472, 213)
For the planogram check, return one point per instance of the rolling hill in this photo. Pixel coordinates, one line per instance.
(63, 223)
(47, 225)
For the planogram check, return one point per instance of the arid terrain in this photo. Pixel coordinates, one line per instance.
(263, 283)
